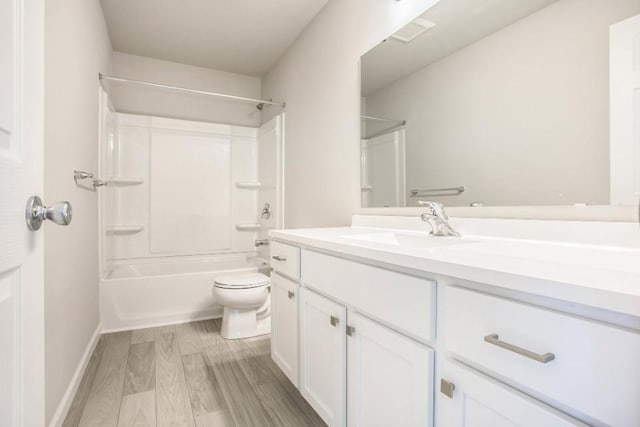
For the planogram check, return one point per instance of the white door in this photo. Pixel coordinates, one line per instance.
(323, 356)
(284, 325)
(390, 377)
(624, 57)
(21, 175)
(478, 401)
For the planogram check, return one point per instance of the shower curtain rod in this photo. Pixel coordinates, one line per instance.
(102, 77)
(380, 119)
(384, 131)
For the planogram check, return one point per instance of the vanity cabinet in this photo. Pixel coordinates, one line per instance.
(323, 356)
(471, 399)
(372, 351)
(284, 325)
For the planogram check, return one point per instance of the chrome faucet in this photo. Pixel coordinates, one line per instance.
(437, 218)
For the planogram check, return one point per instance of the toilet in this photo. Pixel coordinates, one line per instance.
(246, 301)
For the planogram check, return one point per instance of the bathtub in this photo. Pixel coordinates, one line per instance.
(160, 291)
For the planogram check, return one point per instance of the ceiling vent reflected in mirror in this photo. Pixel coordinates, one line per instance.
(413, 30)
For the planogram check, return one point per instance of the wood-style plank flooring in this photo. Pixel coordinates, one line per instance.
(186, 375)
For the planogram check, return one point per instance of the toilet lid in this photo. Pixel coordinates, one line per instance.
(241, 280)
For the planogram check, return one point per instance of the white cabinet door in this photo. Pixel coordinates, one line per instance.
(390, 377)
(479, 401)
(323, 356)
(284, 325)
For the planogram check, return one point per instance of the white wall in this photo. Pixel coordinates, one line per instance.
(77, 48)
(318, 77)
(128, 98)
(519, 117)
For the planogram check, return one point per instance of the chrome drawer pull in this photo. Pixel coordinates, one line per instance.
(291, 294)
(279, 258)
(334, 321)
(351, 330)
(542, 358)
(447, 388)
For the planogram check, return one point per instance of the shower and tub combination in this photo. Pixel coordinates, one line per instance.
(183, 205)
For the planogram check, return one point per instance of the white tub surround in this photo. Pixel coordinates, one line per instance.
(173, 217)
(535, 322)
(184, 201)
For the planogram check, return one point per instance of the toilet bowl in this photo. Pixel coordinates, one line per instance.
(247, 304)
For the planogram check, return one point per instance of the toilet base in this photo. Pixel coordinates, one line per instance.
(238, 323)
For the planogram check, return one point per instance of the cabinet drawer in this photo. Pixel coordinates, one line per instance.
(591, 368)
(405, 302)
(285, 259)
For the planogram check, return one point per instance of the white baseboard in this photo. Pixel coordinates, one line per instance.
(166, 321)
(72, 388)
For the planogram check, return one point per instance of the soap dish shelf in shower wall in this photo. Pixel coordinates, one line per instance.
(124, 229)
(248, 227)
(248, 185)
(124, 180)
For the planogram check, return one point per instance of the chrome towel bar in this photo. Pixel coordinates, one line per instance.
(80, 175)
(434, 192)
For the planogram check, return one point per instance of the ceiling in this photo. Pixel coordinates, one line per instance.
(239, 36)
(459, 23)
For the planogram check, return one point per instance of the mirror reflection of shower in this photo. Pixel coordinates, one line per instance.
(382, 162)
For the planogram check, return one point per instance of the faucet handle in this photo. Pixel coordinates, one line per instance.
(437, 209)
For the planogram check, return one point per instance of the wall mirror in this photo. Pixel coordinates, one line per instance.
(504, 103)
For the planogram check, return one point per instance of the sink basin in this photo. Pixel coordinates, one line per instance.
(408, 240)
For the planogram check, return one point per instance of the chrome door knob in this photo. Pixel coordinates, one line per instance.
(59, 213)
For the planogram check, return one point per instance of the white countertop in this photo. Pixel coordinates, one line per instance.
(606, 277)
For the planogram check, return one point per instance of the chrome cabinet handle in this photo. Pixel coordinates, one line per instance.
(279, 258)
(542, 358)
(35, 213)
(351, 330)
(291, 294)
(447, 388)
(334, 321)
